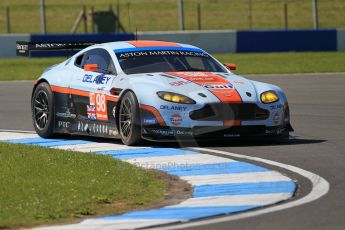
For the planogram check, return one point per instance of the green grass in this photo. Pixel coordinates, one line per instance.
(46, 186)
(153, 15)
(25, 68)
(260, 63)
(268, 63)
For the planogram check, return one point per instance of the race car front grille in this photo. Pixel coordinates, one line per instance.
(222, 112)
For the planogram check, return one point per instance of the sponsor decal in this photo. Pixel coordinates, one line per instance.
(161, 53)
(99, 101)
(64, 124)
(274, 131)
(179, 83)
(239, 82)
(231, 135)
(171, 132)
(114, 111)
(113, 132)
(91, 112)
(96, 79)
(96, 128)
(276, 118)
(274, 107)
(197, 74)
(176, 119)
(218, 86)
(22, 48)
(173, 107)
(150, 121)
(67, 114)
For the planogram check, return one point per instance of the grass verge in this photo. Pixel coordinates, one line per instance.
(163, 14)
(47, 186)
(290, 62)
(258, 63)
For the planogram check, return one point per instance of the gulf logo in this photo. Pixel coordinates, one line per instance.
(176, 119)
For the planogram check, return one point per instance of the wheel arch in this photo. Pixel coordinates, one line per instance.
(117, 113)
(39, 81)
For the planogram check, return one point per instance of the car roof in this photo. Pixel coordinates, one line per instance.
(144, 43)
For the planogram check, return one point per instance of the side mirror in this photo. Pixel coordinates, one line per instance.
(91, 67)
(230, 66)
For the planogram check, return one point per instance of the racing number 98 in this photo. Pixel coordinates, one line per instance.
(98, 99)
(100, 102)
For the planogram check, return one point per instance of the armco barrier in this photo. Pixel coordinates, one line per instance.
(286, 40)
(211, 41)
(8, 43)
(341, 40)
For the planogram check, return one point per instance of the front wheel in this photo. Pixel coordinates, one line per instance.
(129, 119)
(42, 110)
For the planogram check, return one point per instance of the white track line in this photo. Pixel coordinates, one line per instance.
(238, 200)
(94, 147)
(320, 187)
(13, 136)
(96, 224)
(179, 160)
(252, 177)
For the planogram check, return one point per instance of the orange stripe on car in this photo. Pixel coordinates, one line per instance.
(59, 89)
(152, 43)
(66, 90)
(110, 98)
(155, 113)
(232, 123)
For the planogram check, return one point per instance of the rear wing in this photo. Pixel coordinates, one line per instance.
(24, 48)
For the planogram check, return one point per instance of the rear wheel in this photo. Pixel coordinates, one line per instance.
(129, 120)
(42, 110)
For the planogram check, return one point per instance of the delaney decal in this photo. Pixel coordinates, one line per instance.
(176, 119)
(99, 79)
(173, 107)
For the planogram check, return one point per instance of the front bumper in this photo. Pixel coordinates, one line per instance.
(213, 133)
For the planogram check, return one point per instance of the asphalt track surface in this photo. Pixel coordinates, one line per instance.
(317, 105)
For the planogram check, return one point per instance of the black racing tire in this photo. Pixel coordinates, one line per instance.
(42, 110)
(129, 120)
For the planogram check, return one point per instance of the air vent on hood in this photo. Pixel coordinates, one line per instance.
(168, 76)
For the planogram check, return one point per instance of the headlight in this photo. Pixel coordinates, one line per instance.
(269, 97)
(175, 98)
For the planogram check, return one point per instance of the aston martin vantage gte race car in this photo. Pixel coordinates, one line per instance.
(152, 90)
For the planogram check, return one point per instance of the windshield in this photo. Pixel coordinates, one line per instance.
(150, 60)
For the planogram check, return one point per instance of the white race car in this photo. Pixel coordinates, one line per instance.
(153, 90)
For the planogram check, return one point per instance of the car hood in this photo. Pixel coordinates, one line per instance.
(226, 87)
